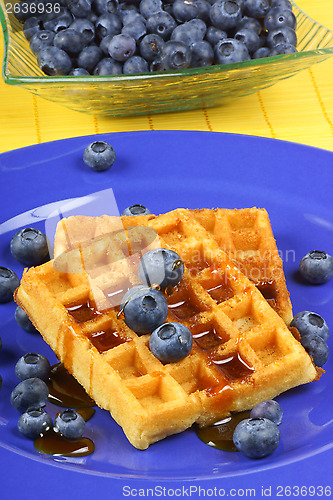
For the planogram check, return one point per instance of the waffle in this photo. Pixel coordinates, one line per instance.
(245, 235)
(243, 352)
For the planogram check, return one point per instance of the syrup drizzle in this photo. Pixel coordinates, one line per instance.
(65, 391)
(220, 434)
(83, 312)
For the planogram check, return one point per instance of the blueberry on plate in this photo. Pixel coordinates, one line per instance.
(70, 424)
(33, 365)
(70, 40)
(256, 437)
(310, 323)
(162, 267)
(29, 246)
(41, 39)
(136, 209)
(108, 66)
(99, 156)
(171, 342)
(277, 18)
(317, 348)
(316, 267)
(23, 320)
(256, 8)
(281, 35)
(151, 46)
(283, 48)
(268, 409)
(144, 309)
(32, 392)
(8, 284)
(162, 24)
(34, 422)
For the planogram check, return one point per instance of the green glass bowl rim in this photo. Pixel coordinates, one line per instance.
(216, 68)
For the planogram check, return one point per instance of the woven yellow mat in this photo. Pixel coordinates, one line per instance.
(299, 109)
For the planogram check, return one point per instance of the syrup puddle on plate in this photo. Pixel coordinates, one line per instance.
(220, 434)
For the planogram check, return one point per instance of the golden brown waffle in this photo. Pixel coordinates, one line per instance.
(243, 352)
(244, 234)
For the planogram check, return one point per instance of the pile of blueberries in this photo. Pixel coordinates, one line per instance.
(111, 37)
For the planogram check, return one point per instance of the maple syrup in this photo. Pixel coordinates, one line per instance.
(207, 338)
(181, 305)
(106, 339)
(220, 434)
(218, 286)
(52, 443)
(233, 367)
(268, 290)
(83, 312)
(65, 391)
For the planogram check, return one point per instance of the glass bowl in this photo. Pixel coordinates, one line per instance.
(159, 92)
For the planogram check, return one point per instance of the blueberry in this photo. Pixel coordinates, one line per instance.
(283, 48)
(70, 41)
(281, 35)
(151, 46)
(316, 267)
(251, 23)
(29, 246)
(22, 319)
(122, 47)
(79, 8)
(32, 365)
(256, 437)
(107, 24)
(135, 29)
(131, 16)
(190, 31)
(202, 54)
(250, 38)
(176, 55)
(32, 392)
(161, 24)
(8, 284)
(150, 7)
(70, 424)
(134, 210)
(268, 409)
(261, 52)
(108, 66)
(317, 348)
(231, 51)
(184, 10)
(53, 61)
(225, 14)
(99, 156)
(283, 4)
(25, 9)
(144, 309)
(34, 422)
(85, 28)
(31, 26)
(278, 18)
(89, 57)
(256, 8)
(57, 21)
(79, 72)
(310, 323)
(162, 267)
(171, 342)
(41, 39)
(135, 65)
(105, 6)
(214, 35)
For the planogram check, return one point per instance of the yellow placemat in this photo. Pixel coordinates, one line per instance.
(298, 109)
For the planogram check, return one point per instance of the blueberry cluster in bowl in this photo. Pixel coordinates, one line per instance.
(112, 37)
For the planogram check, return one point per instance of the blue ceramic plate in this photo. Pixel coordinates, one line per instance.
(166, 170)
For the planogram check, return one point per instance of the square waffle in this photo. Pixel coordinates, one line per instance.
(243, 351)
